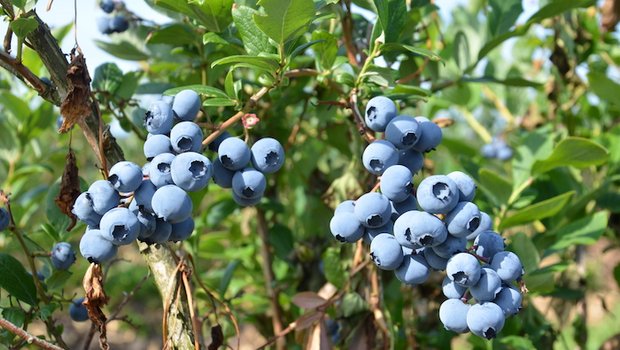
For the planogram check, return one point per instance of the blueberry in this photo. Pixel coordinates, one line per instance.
(172, 204)
(95, 248)
(371, 233)
(504, 153)
(386, 252)
(159, 118)
(488, 244)
(452, 290)
(222, 176)
(5, 219)
(119, 24)
(464, 269)
(452, 245)
(509, 300)
(267, 155)
(507, 265)
(125, 176)
(63, 256)
(378, 156)
(182, 230)
(488, 151)
(191, 171)
(402, 207)
(373, 209)
(246, 202)
(104, 25)
(161, 234)
(107, 6)
(465, 184)
(453, 315)
(402, 132)
(186, 137)
(379, 111)
(146, 169)
(419, 229)
(186, 105)
(147, 222)
(83, 209)
(104, 196)
(437, 194)
(485, 320)
(234, 153)
(413, 270)
(215, 144)
(486, 224)
(156, 144)
(249, 183)
(487, 286)
(78, 311)
(435, 261)
(347, 206)
(412, 159)
(346, 228)
(396, 183)
(120, 226)
(430, 135)
(463, 220)
(143, 196)
(160, 171)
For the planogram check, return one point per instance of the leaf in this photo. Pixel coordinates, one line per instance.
(204, 90)
(511, 81)
(254, 40)
(410, 90)
(16, 281)
(308, 300)
(308, 319)
(227, 277)
(415, 50)
(173, 34)
(504, 14)
(129, 84)
(540, 210)
(214, 14)
(219, 102)
(584, 231)
(229, 85)
(462, 54)
(57, 280)
(332, 266)
(326, 50)
(20, 3)
(23, 26)
(77, 103)
(301, 48)
(257, 62)
(494, 186)
(108, 77)
(604, 87)
(353, 303)
(523, 246)
(284, 19)
(123, 50)
(213, 38)
(572, 151)
(391, 15)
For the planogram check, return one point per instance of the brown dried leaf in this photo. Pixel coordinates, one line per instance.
(95, 299)
(76, 104)
(610, 14)
(217, 338)
(308, 319)
(308, 300)
(69, 188)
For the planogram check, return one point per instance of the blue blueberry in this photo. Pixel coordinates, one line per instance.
(63, 256)
(147, 222)
(156, 144)
(379, 111)
(378, 156)
(419, 229)
(222, 176)
(172, 204)
(104, 196)
(182, 230)
(486, 224)
(107, 6)
(396, 183)
(347, 206)
(83, 209)
(186, 105)
(234, 153)
(504, 153)
(408, 204)
(452, 245)
(488, 151)
(186, 137)
(125, 176)
(412, 159)
(488, 244)
(249, 183)
(430, 135)
(191, 171)
(402, 132)
(5, 219)
(488, 285)
(485, 320)
(465, 184)
(509, 300)
(452, 290)
(246, 202)
(143, 196)
(435, 261)
(386, 252)
(160, 170)
(161, 234)
(373, 209)
(267, 155)
(371, 233)
(120, 226)
(159, 118)
(464, 269)
(453, 315)
(78, 311)
(119, 24)
(95, 248)
(104, 25)
(346, 228)
(463, 220)
(507, 265)
(413, 270)
(215, 144)
(437, 194)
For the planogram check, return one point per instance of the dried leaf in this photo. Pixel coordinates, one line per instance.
(76, 104)
(308, 319)
(69, 188)
(95, 299)
(610, 14)
(217, 338)
(308, 300)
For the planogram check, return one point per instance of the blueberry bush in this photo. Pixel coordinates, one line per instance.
(312, 174)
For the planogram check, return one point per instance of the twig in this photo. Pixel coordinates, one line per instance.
(375, 297)
(24, 74)
(29, 338)
(347, 34)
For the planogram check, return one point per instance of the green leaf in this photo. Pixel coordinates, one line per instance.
(415, 50)
(213, 38)
(229, 85)
(301, 48)
(584, 231)
(20, 3)
(326, 50)
(504, 14)
(462, 53)
(332, 265)
(410, 90)
(173, 34)
(16, 281)
(219, 102)
(572, 151)
(215, 14)
(540, 210)
(523, 246)
(511, 81)
(204, 90)
(284, 19)
(254, 40)
(391, 15)
(57, 280)
(604, 87)
(108, 77)
(256, 62)
(123, 50)
(14, 315)
(227, 277)
(129, 84)
(23, 26)
(494, 186)
(353, 303)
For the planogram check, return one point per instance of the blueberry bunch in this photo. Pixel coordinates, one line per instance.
(4, 219)
(117, 23)
(498, 148)
(436, 227)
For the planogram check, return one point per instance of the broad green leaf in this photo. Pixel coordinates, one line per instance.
(353, 303)
(254, 40)
(494, 186)
(523, 246)
(410, 90)
(219, 102)
(19, 3)
(511, 81)
(536, 145)
(572, 151)
(332, 265)
(108, 77)
(129, 84)
(537, 211)
(57, 280)
(227, 277)
(229, 85)
(604, 87)
(504, 14)
(392, 15)
(123, 50)
(206, 91)
(284, 19)
(23, 26)
(462, 53)
(257, 62)
(213, 38)
(585, 231)
(173, 34)
(16, 281)
(415, 50)
(14, 315)
(215, 14)
(326, 50)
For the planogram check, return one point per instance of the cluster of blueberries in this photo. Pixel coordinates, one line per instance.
(4, 219)
(117, 23)
(497, 149)
(413, 233)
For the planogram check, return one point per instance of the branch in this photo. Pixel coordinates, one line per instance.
(29, 338)
(24, 74)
